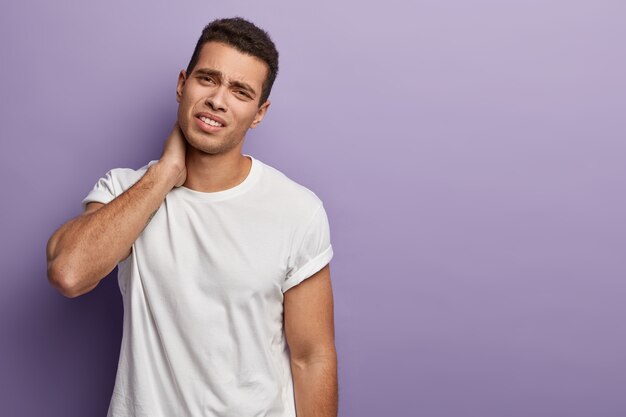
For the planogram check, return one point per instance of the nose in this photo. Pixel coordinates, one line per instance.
(217, 99)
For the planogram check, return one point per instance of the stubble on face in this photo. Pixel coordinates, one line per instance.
(221, 96)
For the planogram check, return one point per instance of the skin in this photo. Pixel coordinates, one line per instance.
(310, 334)
(213, 160)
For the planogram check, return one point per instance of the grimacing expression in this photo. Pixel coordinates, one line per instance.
(219, 101)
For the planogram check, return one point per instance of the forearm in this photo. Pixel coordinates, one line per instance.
(87, 248)
(315, 385)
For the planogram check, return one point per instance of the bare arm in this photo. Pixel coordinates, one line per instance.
(87, 248)
(310, 333)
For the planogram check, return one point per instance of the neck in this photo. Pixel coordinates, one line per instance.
(210, 173)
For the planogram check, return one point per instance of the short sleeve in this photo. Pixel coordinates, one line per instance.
(102, 192)
(311, 253)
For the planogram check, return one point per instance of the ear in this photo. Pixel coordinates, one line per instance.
(260, 114)
(182, 77)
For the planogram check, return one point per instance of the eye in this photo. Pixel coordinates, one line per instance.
(243, 93)
(208, 78)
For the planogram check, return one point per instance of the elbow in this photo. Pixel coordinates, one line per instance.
(61, 281)
(60, 274)
(324, 355)
(56, 277)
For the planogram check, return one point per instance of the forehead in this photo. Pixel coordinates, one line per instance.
(235, 65)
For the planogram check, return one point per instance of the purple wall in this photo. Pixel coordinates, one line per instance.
(471, 157)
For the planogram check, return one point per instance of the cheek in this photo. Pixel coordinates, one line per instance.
(185, 116)
(186, 107)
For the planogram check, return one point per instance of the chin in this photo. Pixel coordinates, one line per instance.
(203, 146)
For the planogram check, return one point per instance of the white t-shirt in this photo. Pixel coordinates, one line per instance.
(203, 296)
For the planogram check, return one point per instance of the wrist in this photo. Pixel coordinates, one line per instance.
(168, 171)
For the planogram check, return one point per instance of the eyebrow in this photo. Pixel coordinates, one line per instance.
(220, 76)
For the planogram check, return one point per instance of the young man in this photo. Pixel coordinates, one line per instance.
(223, 261)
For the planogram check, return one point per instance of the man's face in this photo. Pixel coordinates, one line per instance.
(225, 85)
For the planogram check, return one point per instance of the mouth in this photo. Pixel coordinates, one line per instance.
(210, 120)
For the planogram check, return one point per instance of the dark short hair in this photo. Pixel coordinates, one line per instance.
(247, 38)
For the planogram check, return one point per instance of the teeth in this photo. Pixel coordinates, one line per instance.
(210, 122)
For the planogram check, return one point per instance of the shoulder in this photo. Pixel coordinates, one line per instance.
(123, 178)
(114, 183)
(289, 194)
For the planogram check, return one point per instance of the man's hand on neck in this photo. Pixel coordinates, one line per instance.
(174, 153)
